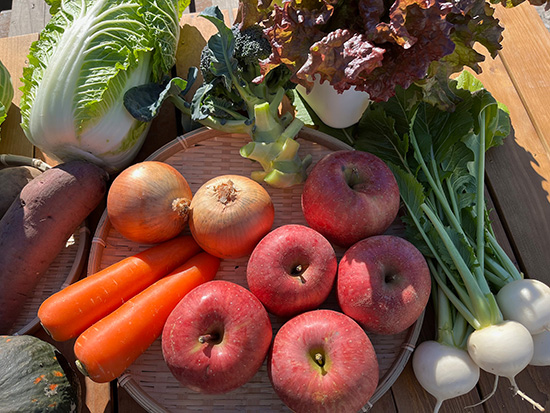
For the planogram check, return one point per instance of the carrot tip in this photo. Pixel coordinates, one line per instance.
(46, 330)
(81, 368)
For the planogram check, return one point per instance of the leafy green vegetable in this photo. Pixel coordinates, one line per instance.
(87, 56)
(6, 92)
(438, 160)
(231, 99)
(377, 46)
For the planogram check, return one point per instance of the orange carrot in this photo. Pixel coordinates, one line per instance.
(112, 344)
(69, 312)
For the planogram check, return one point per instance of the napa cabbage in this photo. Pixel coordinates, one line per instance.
(88, 55)
(6, 92)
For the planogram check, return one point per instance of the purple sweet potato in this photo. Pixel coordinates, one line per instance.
(36, 227)
(12, 181)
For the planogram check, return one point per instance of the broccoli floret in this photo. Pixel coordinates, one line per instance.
(250, 45)
(204, 66)
(233, 99)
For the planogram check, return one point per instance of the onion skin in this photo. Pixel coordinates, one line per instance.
(230, 214)
(149, 202)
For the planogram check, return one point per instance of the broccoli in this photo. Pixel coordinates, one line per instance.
(233, 99)
(250, 45)
(204, 65)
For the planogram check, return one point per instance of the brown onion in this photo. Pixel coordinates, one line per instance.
(229, 215)
(149, 202)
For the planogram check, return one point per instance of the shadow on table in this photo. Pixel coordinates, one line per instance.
(522, 203)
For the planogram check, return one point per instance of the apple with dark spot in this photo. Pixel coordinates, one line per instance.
(383, 283)
(216, 338)
(350, 195)
(292, 270)
(323, 361)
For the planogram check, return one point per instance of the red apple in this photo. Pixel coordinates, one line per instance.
(323, 361)
(216, 338)
(350, 195)
(292, 270)
(383, 283)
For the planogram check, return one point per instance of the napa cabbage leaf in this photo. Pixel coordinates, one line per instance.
(6, 92)
(88, 55)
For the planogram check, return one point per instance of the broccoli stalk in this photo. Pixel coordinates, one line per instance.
(230, 63)
(231, 99)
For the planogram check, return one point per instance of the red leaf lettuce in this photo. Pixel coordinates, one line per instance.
(375, 45)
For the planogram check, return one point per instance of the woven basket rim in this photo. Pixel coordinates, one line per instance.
(84, 238)
(184, 142)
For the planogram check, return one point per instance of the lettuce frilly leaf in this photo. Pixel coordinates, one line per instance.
(378, 46)
(87, 56)
(360, 44)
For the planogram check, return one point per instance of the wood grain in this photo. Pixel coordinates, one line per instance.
(28, 16)
(519, 171)
(12, 138)
(5, 18)
(526, 56)
(518, 178)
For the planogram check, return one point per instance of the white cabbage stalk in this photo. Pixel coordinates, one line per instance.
(88, 56)
(6, 92)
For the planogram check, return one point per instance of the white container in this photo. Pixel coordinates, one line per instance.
(337, 110)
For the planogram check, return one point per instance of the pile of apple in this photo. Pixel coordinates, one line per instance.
(219, 335)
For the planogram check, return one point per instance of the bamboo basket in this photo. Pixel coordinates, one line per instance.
(64, 270)
(199, 156)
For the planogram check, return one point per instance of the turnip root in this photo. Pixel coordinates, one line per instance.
(503, 349)
(526, 301)
(444, 371)
(541, 355)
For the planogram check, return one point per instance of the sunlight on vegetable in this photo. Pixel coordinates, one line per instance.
(149, 202)
(438, 159)
(87, 56)
(232, 99)
(526, 301)
(397, 44)
(230, 214)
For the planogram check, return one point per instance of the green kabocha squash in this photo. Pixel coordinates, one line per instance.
(35, 377)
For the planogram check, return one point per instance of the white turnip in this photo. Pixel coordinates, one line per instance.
(444, 371)
(541, 355)
(503, 349)
(526, 301)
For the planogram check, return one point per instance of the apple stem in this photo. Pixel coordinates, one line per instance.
(352, 176)
(208, 337)
(297, 272)
(319, 359)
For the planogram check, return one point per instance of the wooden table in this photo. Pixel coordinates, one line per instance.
(518, 187)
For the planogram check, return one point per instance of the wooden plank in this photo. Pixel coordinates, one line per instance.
(526, 56)
(28, 16)
(13, 56)
(386, 404)
(226, 5)
(519, 171)
(195, 32)
(5, 19)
